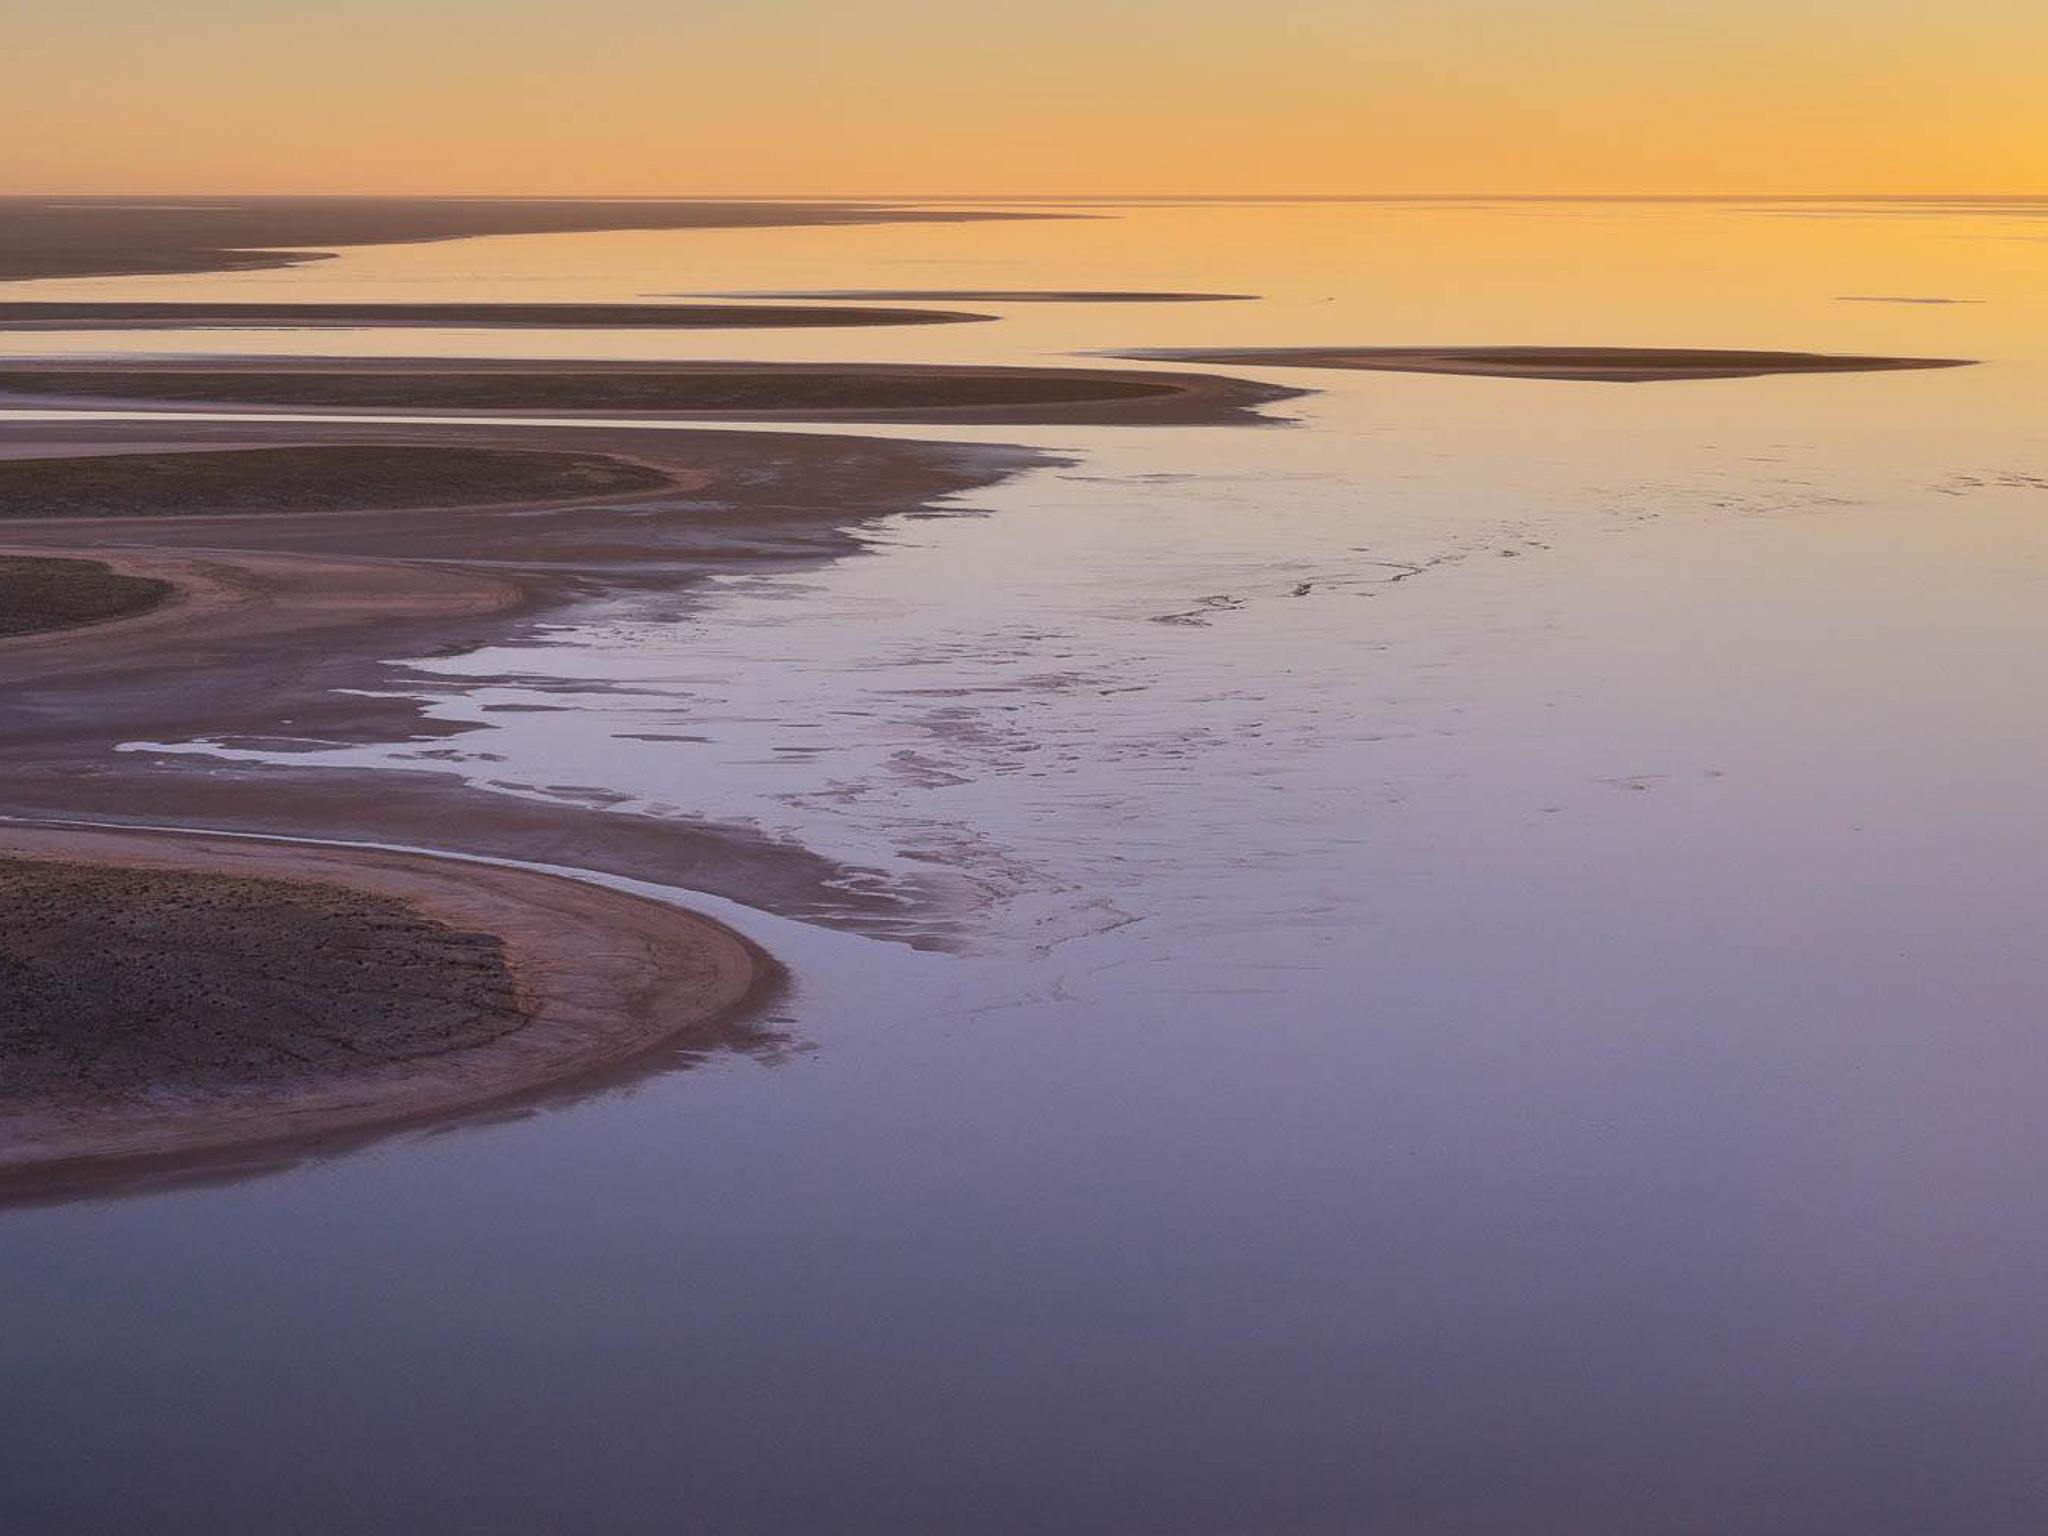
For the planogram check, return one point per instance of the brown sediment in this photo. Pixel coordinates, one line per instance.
(169, 997)
(1611, 365)
(986, 295)
(652, 390)
(310, 478)
(66, 316)
(39, 594)
(204, 606)
(283, 630)
(107, 236)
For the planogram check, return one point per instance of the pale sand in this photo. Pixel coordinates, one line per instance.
(599, 978)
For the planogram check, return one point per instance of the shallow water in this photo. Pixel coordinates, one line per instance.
(1490, 980)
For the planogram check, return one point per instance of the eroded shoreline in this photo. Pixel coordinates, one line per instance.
(286, 629)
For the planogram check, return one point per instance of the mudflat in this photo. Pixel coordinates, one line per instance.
(54, 316)
(710, 390)
(1610, 365)
(303, 478)
(39, 594)
(292, 630)
(166, 997)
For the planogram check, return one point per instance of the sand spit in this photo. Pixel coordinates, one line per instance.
(682, 317)
(985, 295)
(652, 390)
(108, 236)
(312, 478)
(1609, 365)
(39, 594)
(165, 997)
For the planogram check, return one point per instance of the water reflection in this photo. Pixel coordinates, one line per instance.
(1497, 987)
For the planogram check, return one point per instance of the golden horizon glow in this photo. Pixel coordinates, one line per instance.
(914, 98)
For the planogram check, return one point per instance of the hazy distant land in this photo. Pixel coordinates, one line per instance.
(104, 236)
(1611, 365)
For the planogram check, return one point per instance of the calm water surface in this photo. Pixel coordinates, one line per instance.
(1490, 977)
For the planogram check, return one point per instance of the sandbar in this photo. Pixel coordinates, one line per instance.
(661, 390)
(54, 316)
(1607, 365)
(166, 997)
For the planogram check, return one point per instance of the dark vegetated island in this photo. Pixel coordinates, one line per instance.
(56, 316)
(852, 391)
(310, 478)
(1610, 365)
(166, 997)
(118, 980)
(39, 594)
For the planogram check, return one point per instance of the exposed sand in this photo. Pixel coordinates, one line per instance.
(164, 997)
(985, 295)
(1610, 365)
(688, 317)
(38, 595)
(152, 1020)
(311, 478)
(685, 391)
(86, 237)
(203, 606)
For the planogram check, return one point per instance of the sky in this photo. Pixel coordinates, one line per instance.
(1058, 98)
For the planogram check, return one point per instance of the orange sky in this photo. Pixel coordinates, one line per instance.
(1060, 97)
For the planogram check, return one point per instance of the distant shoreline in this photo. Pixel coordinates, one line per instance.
(58, 237)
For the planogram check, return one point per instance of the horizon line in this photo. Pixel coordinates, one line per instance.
(1047, 197)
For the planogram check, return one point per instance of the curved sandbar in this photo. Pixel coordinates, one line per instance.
(308, 478)
(208, 604)
(658, 390)
(985, 295)
(54, 316)
(1609, 365)
(39, 594)
(167, 997)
